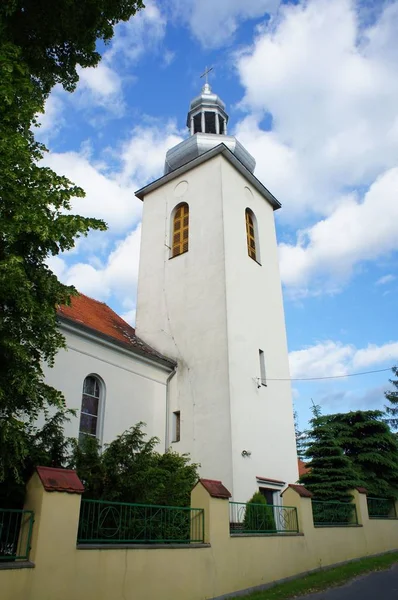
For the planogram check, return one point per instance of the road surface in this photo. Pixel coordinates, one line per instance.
(380, 585)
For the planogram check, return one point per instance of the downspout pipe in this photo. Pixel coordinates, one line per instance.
(167, 433)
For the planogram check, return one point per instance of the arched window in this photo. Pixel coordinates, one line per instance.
(180, 229)
(251, 235)
(90, 411)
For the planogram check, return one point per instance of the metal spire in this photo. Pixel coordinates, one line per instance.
(206, 87)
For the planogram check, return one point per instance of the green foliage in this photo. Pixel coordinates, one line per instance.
(46, 446)
(360, 439)
(301, 437)
(34, 224)
(131, 470)
(372, 448)
(41, 43)
(392, 407)
(315, 409)
(57, 36)
(331, 474)
(259, 515)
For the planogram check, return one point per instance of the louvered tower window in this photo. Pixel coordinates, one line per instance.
(180, 229)
(251, 234)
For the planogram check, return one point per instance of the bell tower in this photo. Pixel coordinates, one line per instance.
(209, 296)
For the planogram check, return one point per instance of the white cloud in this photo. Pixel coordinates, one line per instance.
(385, 279)
(214, 23)
(141, 34)
(117, 277)
(52, 120)
(106, 198)
(356, 231)
(99, 86)
(333, 102)
(330, 91)
(331, 359)
(129, 316)
(143, 154)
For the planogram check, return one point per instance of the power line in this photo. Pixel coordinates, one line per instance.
(327, 377)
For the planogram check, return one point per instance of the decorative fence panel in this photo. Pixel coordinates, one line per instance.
(123, 523)
(381, 508)
(15, 534)
(246, 519)
(334, 514)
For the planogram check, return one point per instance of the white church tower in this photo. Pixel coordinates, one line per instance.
(209, 296)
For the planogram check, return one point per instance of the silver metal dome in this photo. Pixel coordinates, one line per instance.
(200, 143)
(207, 122)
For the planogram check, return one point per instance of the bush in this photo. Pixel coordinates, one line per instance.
(259, 516)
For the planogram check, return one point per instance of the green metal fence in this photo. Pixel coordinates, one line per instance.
(381, 508)
(246, 519)
(123, 523)
(334, 514)
(15, 534)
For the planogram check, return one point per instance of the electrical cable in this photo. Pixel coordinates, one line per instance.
(327, 377)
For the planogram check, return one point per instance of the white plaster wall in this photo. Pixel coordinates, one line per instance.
(134, 390)
(262, 417)
(181, 312)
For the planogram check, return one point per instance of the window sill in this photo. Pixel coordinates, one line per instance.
(254, 260)
(177, 255)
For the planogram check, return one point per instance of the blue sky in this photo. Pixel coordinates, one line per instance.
(312, 92)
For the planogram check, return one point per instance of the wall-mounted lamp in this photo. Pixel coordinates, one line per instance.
(246, 453)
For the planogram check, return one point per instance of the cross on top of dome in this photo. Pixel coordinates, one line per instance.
(207, 111)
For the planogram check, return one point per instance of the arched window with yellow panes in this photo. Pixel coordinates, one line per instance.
(251, 235)
(180, 236)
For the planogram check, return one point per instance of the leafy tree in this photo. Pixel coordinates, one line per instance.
(392, 397)
(259, 515)
(331, 473)
(47, 446)
(41, 43)
(34, 223)
(57, 36)
(131, 470)
(372, 448)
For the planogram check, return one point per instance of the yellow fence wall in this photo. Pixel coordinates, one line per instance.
(228, 564)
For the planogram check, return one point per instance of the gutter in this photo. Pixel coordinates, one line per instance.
(167, 435)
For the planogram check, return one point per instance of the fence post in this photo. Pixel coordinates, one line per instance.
(361, 505)
(213, 497)
(54, 496)
(298, 496)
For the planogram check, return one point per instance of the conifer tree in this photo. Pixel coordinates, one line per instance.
(392, 397)
(259, 515)
(331, 474)
(372, 448)
(301, 437)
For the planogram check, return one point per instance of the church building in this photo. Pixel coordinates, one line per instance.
(206, 367)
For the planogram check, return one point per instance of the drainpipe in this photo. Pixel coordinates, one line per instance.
(167, 436)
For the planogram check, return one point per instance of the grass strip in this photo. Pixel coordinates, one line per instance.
(327, 578)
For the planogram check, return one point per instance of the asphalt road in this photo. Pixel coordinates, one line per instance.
(381, 585)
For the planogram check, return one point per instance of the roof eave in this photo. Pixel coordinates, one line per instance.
(230, 156)
(168, 363)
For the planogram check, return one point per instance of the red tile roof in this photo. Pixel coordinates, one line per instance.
(98, 317)
(302, 468)
(60, 480)
(301, 490)
(362, 490)
(215, 488)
